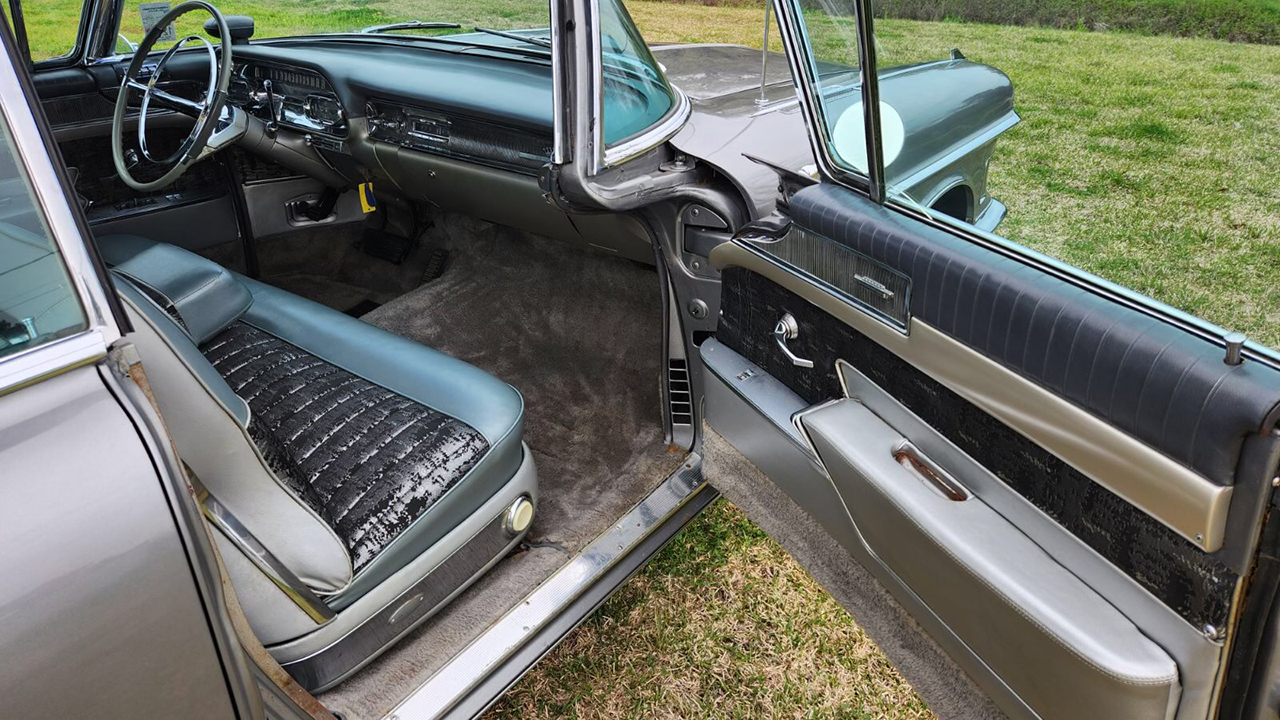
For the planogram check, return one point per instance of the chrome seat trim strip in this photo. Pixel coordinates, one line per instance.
(467, 669)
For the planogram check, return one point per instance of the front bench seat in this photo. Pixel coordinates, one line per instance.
(360, 459)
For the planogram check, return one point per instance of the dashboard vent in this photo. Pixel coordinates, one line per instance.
(481, 141)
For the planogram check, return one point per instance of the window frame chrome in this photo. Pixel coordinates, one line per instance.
(90, 11)
(579, 79)
(795, 41)
(101, 329)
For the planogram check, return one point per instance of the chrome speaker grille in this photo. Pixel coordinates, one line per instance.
(873, 286)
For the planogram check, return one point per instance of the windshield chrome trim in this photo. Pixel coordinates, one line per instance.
(651, 137)
(561, 146)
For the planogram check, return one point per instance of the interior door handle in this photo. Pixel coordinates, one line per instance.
(788, 329)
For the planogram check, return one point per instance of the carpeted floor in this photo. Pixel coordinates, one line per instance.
(579, 334)
(577, 331)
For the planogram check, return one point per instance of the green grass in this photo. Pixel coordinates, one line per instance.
(721, 624)
(1148, 160)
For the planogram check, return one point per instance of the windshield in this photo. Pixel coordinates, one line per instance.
(636, 94)
(286, 18)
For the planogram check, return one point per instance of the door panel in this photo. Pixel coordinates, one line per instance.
(1099, 448)
(79, 102)
(1037, 625)
(102, 615)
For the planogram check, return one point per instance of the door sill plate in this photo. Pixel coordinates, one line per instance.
(466, 670)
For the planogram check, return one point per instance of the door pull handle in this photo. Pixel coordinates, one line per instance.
(788, 329)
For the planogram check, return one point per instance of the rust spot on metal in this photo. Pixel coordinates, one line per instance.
(908, 460)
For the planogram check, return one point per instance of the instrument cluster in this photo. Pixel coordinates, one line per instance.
(290, 97)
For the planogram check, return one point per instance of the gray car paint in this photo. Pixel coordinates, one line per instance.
(101, 614)
(952, 109)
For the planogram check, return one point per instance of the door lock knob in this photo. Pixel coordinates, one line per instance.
(788, 329)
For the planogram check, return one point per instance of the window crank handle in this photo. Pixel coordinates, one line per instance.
(788, 329)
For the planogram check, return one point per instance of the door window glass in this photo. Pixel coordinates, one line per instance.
(832, 35)
(1147, 160)
(38, 303)
(53, 26)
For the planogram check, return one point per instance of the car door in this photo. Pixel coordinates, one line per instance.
(1064, 483)
(109, 591)
(77, 69)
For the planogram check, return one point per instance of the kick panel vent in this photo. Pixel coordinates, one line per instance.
(679, 394)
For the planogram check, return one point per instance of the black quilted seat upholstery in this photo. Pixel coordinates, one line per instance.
(369, 461)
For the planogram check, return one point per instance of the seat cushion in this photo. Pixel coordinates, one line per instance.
(368, 460)
(440, 383)
(390, 442)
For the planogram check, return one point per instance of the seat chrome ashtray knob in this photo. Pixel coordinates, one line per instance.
(519, 516)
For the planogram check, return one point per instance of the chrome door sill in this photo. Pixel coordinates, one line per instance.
(467, 670)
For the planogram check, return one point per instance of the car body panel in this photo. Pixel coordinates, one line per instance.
(102, 616)
(954, 110)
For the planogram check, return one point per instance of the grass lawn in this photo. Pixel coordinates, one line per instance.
(1151, 161)
(1239, 20)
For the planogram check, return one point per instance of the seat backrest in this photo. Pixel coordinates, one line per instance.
(176, 301)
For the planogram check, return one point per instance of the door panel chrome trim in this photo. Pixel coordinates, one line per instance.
(451, 683)
(1176, 496)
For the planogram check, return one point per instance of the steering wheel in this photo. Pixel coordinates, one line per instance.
(217, 124)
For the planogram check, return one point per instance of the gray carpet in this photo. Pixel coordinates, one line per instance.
(579, 333)
(950, 693)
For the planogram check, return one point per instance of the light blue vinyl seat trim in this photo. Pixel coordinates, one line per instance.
(205, 295)
(187, 352)
(422, 374)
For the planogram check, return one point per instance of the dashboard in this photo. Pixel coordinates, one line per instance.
(351, 98)
(295, 98)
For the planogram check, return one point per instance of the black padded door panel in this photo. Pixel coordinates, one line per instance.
(1193, 583)
(1162, 384)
